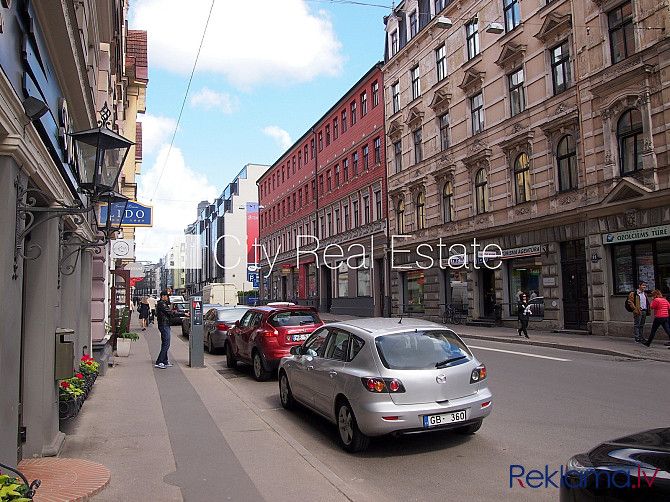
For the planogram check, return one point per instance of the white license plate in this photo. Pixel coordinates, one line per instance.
(301, 337)
(444, 418)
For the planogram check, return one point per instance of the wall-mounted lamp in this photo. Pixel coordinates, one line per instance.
(34, 107)
(443, 22)
(495, 28)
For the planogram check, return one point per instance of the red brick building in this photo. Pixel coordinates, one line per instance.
(323, 210)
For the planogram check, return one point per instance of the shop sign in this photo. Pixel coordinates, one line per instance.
(521, 252)
(637, 234)
(286, 269)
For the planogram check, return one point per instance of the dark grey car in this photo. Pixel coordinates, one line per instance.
(217, 322)
(186, 321)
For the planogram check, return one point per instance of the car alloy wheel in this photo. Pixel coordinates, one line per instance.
(285, 394)
(351, 438)
(260, 373)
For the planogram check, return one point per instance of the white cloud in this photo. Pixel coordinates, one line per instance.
(156, 131)
(282, 138)
(208, 99)
(249, 43)
(174, 200)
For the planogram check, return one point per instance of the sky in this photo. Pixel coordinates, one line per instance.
(266, 71)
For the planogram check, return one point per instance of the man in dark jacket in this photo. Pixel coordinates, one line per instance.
(163, 312)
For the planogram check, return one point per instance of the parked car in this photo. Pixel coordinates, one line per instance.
(266, 334)
(216, 323)
(179, 311)
(378, 376)
(186, 320)
(634, 467)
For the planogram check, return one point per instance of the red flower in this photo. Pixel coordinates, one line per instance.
(79, 376)
(65, 385)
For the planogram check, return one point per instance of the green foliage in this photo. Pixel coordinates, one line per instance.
(130, 336)
(12, 489)
(125, 321)
(88, 366)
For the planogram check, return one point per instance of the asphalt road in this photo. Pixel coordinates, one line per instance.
(548, 405)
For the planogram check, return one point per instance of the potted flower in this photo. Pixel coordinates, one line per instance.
(70, 397)
(123, 343)
(89, 368)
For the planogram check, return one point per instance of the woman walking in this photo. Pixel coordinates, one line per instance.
(144, 312)
(660, 307)
(523, 314)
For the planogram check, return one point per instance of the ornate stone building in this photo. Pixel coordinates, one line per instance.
(538, 129)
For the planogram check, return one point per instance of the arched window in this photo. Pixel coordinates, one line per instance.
(400, 218)
(629, 135)
(481, 192)
(448, 202)
(566, 157)
(420, 211)
(522, 178)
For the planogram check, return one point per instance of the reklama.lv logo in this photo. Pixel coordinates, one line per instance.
(536, 478)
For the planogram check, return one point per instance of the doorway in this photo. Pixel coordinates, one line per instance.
(488, 292)
(575, 287)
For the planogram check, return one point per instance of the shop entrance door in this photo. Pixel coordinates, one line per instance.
(575, 288)
(488, 292)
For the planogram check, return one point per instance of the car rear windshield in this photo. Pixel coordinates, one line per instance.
(181, 307)
(415, 350)
(294, 318)
(231, 314)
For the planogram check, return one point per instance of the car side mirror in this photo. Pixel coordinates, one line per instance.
(237, 324)
(295, 350)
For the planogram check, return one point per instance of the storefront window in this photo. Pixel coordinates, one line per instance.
(524, 276)
(342, 280)
(414, 282)
(275, 285)
(296, 283)
(648, 262)
(459, 290)
(312, 291)
(363, 277)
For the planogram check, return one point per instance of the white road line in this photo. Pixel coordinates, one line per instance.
(520, 353)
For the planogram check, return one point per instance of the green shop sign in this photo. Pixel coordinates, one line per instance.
(637, 235)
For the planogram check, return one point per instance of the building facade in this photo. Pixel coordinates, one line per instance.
(323, 210)
(59, 64)
(527, 152)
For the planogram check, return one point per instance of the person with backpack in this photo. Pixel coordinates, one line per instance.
(639, 303)
(660, 307)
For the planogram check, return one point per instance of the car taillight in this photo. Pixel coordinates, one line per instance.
(478, 374)
(222, 327)
(268, 332)
(391, 385)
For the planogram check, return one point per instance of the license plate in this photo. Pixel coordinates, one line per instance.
(444, 418)
(301, 337)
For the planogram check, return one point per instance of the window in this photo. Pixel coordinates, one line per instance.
(343, 280)
(448, 202)
(311, 144)
(353, 112)
(321, 183)
(329, 180)
(354, 163)
(395, 92)
(306, 156)
(481, 192)
(335, 132)
(338, 223)
(413, 24)
(441, 62)
(472, 37)
(416, 82)
(356, 215)
(516, 96)
(511, 13)
(400, 217)
(418, 154)
(629, 135)
(345, 169)
(327, 135)
(477, 110)
(420, 211)
(363, 277)
(378, 205)
(312, 290)
(522, 178)
(337, 175)
(375, 93)
(366, 209)
(622, 39)
(346, 217)
(642, 261)
(378, 150)
(566, 157)
(314, 189)
(560, 67)
(439, 5)
(394, 43)
(444, 131)
(320, 141)
(329, 223)
(397, 151)
(344, 120)
(366, 157)
(364, 104)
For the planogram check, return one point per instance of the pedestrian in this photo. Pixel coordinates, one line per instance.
(660, 307)
(143, 309)
(523, 314)
(163, 312)
(152, 309)
(638, 301)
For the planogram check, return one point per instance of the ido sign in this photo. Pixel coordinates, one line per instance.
(136, 214)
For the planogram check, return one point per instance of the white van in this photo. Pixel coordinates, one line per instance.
(223, 293)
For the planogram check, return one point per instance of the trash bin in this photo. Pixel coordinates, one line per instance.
(497, 312)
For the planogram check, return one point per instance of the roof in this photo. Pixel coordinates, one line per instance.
(373, 324)
(136, 54)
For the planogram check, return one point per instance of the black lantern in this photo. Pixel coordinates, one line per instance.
(101, 154)
(111, 211)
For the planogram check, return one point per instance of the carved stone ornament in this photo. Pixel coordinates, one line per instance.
(631, 217)
(608, 157)
(553, 25)
(476, 146)
(647, 148)
(510, 54)
(570, 199)
(521, 211)
(441, 100)
(472, 79)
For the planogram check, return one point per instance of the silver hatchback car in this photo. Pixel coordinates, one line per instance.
(380, 376)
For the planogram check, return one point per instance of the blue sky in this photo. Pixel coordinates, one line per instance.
(267, 70)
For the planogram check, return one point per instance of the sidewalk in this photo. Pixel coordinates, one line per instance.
(187, 434)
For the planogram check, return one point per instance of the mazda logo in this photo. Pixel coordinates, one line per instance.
(441, 378)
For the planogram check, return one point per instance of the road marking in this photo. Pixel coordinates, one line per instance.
(521, 353)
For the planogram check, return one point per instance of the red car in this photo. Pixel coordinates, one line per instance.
(266, 334)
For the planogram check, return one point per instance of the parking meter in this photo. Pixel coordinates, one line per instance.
(196, 352)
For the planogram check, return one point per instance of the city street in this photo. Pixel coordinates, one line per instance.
(548, 405)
